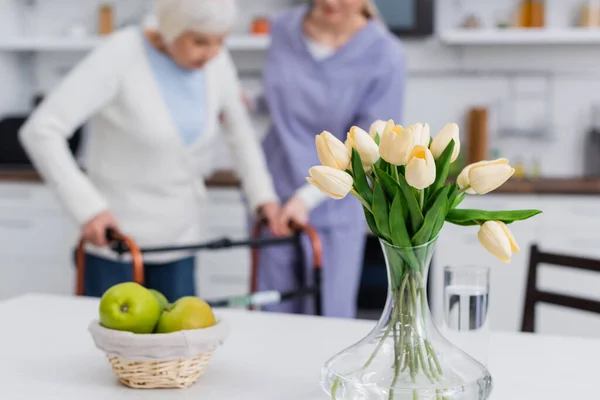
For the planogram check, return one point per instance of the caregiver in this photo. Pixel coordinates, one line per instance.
(332, 65)
(153, 100)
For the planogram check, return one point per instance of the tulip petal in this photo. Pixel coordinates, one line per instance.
(514, 246)
(442, 140)
(492, 237)
(331, 151)
(365, 145)
(420, 171)
(486, 179)
(377, 128)
(333, 182)
(463, 179)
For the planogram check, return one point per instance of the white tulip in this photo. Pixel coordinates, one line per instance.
(421, 133)
(331, 181)
(420, 170)
(496, 238)
(485, 176)
(377, 128)
(396, 145)
(332, 151)
(365, 145)
(443, 139)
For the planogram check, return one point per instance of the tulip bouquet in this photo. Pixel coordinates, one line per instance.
(400, 175)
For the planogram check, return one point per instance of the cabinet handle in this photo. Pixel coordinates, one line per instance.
(227, 279)
(15, 193)
(585, 212)
(583, 243)
(15, 224)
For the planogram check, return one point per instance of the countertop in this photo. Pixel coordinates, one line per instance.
(218, 179)
(261, 355)
(228, 179)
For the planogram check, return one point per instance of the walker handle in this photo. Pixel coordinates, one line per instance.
(122, 242)
(307, 229)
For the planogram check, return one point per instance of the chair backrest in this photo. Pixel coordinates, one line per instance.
(533, 295)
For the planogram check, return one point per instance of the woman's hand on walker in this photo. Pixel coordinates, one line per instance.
(94, 231)
(296, 211)
(270, 212)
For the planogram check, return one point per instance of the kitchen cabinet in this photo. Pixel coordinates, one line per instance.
(225, 273)
(569, 224)
(37, 240)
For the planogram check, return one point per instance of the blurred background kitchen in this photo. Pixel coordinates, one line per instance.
(520, 77)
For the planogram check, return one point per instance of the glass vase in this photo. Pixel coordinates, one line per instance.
(405, 356)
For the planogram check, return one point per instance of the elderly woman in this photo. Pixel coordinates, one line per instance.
(153, 100)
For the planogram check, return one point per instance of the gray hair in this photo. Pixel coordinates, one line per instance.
(173, 17)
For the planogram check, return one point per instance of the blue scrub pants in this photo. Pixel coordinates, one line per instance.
(174, 279)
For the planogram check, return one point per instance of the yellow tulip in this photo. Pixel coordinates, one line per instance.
(396, 144)
(332, 151)
(496, 238)
(485, 176)
(365, 145)
(333, 182)
(420, 170)
(378, 127)
(442, 140)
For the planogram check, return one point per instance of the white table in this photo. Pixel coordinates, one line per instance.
(47, 353)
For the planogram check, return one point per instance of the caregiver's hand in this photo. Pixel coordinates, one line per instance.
(271, 212)
(94, 231)
(296, 211)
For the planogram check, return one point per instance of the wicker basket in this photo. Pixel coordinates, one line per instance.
(152, 361)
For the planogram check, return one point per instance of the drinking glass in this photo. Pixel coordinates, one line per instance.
(466, 304)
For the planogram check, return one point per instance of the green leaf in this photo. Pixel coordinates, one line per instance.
(459, 199)
(416, 216)
(377, 139)
(432, 199)
(381, 210)
(382, 165)
(371, 222)
(360, 178)
(432, 219)
(442, 166)
(398, 228)
(466, 217)
(389, 184)
(452, 194)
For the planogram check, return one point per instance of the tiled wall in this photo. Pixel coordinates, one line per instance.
(524, 86)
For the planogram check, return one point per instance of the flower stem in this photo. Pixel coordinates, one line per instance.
(395, 173)
(398, 347)
(389, 329)
(336, 383)
(422, 199)
(464, 190)
(361, 199)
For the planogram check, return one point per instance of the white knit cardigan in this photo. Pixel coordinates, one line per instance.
(137, 165)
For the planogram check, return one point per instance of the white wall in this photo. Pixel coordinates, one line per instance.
(546, 84)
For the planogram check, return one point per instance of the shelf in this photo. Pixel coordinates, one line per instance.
(248, 42)
(511, 36)
(49, 44)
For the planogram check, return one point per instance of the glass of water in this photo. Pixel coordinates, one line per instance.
(466, 305)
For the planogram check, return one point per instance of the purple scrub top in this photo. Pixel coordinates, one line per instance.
(361, 82)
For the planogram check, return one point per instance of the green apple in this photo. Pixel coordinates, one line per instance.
(186, 313)
(162, 300)
(129, 307)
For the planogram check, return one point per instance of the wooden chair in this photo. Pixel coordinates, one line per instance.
(533, 295)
